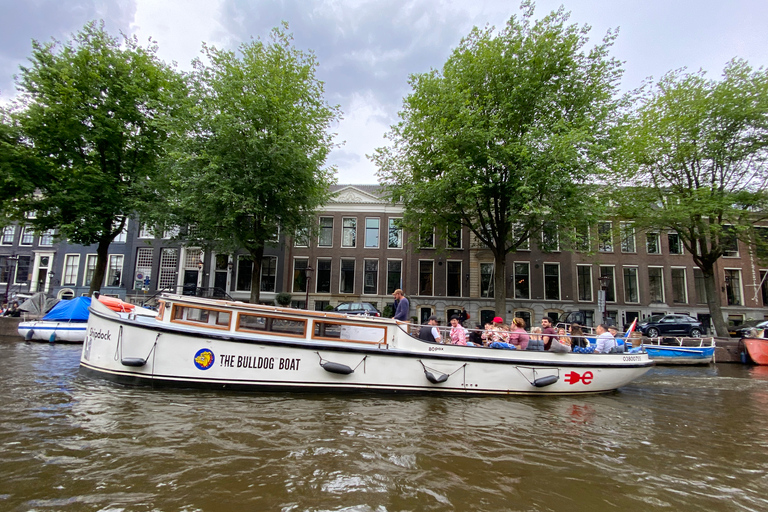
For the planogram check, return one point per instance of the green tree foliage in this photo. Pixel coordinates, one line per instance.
(506, 135)
(254, 161)
(695, 151)
(81, 144)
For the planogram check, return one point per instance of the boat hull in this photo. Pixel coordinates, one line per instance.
(758, 349)
(49, 331)
(150, 352)
(680, 354)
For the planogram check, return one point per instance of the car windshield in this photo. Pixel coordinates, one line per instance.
(654, 319)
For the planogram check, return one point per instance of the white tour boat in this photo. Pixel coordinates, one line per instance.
(197, 342)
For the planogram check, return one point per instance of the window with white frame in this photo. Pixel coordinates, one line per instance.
(679, 286)
(656, 284)
(395, 233)
(268, 274)
(244, 273)
(730, 242)
(90, 269)
(628, 237)
(522, 276)
(171, 232)
(394, 275)
(323, 276)
(347, 276)
(486, 280)
(426, 275)
(605, 236)
(301, 239)
(114, 273)
(551, 281)
(143, 266)
(348, 232)
(733, 287)
(300, 275)
(453, 236)
(71, 266)
(608, 277)
(700, 286)
(46, 238)
(584, 282)
(675, 243)
(325, 237)
(453, 279)
(518, 230)
(146, 231)
(169, 265)
(631, 288)
(371, 277)
(123, 234)
(372, 232)
(27, 235)
(550, 240)
(426, 237)
(583, 241)
(8, 234)
(652, 243)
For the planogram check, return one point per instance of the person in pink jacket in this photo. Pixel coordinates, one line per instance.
(458, 333)
(517, 336)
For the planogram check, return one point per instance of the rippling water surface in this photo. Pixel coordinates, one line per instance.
(678, 439)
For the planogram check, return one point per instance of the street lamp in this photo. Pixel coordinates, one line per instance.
(308, 271)
(11, 258)
(603, 295)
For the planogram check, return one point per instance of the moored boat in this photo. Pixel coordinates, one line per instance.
(197, 342)
(680, 350)
(66, 322)
(757, 349)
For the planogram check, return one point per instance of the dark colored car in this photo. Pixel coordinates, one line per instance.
(357, 308)
(671, 325)
(743, 330)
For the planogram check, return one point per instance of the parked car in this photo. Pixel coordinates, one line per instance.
(671, 325)
(357, 308)
(742, 330)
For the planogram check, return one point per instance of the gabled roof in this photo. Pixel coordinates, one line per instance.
(358, 194)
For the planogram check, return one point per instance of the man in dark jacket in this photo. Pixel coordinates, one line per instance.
(430, 332)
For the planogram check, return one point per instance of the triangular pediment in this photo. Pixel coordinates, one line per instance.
(351, 194)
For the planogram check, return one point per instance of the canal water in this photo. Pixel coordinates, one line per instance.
(678, 439)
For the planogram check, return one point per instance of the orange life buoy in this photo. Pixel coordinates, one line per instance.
(116, 304)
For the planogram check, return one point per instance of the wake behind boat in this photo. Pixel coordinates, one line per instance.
(197, 342)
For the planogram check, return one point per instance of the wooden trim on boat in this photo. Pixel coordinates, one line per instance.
(241, 314)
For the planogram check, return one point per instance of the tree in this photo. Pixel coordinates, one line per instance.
(506, 135)
(695, 153)
(81, 144)
(254, 161)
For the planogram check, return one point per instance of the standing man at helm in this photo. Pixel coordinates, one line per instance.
(403, 306)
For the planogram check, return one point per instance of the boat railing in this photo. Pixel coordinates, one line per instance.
(681, 341)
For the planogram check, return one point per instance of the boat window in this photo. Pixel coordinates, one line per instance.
(211, 317)
(278, 325)
(349, 332)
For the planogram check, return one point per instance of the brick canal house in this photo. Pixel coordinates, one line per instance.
(360, 253)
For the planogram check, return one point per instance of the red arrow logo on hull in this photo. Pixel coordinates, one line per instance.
(574, 378)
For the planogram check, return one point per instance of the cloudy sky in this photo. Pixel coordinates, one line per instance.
(367, 48)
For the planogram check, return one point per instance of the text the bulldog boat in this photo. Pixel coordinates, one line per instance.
(196, 342)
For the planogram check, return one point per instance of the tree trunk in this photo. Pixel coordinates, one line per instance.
(257, 255)
(499, 285)
(102, 255)
(713, 301)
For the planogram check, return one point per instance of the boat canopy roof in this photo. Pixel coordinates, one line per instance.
(74, 309)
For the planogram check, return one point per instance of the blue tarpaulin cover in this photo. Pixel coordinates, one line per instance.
(75, 310)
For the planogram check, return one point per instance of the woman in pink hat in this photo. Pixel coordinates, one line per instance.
(495, 331)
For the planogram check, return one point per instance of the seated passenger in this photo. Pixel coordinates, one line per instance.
(458, 334)
(518, 337)
(535, 341)
(577, 336)
(430, 332)
(495, 331)
(605, 342)
(614, 330)
(561, 342)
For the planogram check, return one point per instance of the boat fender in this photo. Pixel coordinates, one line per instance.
(545, 381)
(29, 334)
(133, 361)
(435, 380)
(52, 338)
(339, 368)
